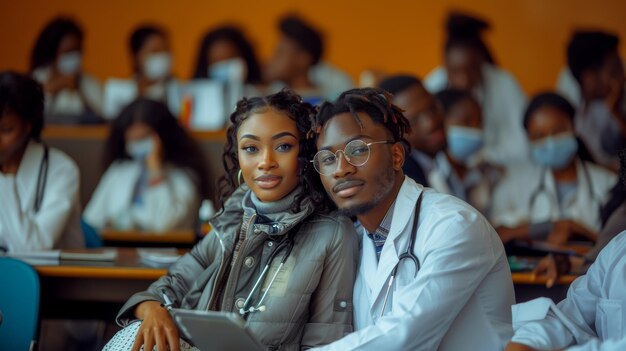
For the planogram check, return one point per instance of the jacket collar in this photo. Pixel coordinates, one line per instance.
(239, 207)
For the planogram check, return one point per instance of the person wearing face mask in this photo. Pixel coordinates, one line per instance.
(152, 66)
(155, 173)
(225, 53)
(470, 65)
(71, 95)
(39, 185)
(455, 170)
(559, 195)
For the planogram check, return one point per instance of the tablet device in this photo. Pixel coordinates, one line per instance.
(210, 330)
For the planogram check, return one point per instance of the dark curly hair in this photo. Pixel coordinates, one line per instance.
(290, 103)
(375, 102)
(22, 95)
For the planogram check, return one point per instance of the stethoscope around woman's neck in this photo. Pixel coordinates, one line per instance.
(286, 245)
(542, 186)
(42, 177)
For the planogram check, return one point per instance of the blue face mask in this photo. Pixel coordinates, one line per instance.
(232, 70)
(463, 142)
(555, 152)
(140, 149)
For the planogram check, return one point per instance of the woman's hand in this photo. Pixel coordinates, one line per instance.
(154, 161)
(552, 267)
(157, 328)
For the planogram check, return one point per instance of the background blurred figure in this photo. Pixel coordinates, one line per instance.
(469, 65)
(224, 46)
(296, 63)
(456, 170)
(38, 185)
(595, 83)
(71, 96)
(152, 66)
(552, 266)
(559, 195)
(155, 173)
(427, 136)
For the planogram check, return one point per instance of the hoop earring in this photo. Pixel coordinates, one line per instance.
(239, 177)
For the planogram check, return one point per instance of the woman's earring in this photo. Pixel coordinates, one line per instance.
(239, 177)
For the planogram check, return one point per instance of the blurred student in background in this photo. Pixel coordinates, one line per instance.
(595, 85)
(592, 315)
(155, 173)
(296, 63)
(220, 50)
(613, 215)
(39, 186)
(456, 169)
(469, 65)
(558, 195)
(71, 95)
(151, 60)
(427, 136)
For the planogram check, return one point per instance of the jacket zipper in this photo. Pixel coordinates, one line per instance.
(236, 267)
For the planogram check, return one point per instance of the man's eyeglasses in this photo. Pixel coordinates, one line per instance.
(356, 152)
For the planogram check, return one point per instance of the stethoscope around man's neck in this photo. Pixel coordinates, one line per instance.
(407, 254)
(542, 187)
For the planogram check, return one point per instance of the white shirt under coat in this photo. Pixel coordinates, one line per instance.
(57, 223)
(461, 296)
(170, 204)
(503, 103)
(512, 196)
(592, 316)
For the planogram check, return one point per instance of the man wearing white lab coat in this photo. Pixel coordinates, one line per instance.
(592, 316)
(460, 295)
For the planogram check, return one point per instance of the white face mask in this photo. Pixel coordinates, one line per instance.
(232, 70)
(69, 63)
(139, 149)
(157, 66)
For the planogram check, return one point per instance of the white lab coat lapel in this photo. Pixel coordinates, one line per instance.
(581, 208)
(396, 242)
(27, 175)
(544, 206)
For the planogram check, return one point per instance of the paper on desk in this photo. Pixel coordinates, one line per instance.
(89, 255)
(36, 255)
(159, 256)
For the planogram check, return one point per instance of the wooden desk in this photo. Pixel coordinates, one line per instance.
(527, 278)
(93, 290)
(176, 238)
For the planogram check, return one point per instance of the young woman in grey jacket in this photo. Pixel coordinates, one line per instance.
(273, 199)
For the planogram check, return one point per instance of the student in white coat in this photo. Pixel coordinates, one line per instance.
(594, 82)
(456, 170)
(470, 66)
(39, 186)
(152, 74)
(71, 95)
(155, 173)
(591, 318)
(559, 194)
(433, 273)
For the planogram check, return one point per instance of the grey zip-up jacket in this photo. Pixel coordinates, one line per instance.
(310, 302)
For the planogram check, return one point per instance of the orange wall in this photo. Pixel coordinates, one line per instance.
(528, 36)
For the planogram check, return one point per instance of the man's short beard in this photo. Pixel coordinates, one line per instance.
(386, 180)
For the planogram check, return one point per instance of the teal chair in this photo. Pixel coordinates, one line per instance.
(92, 238)
(19, 305)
